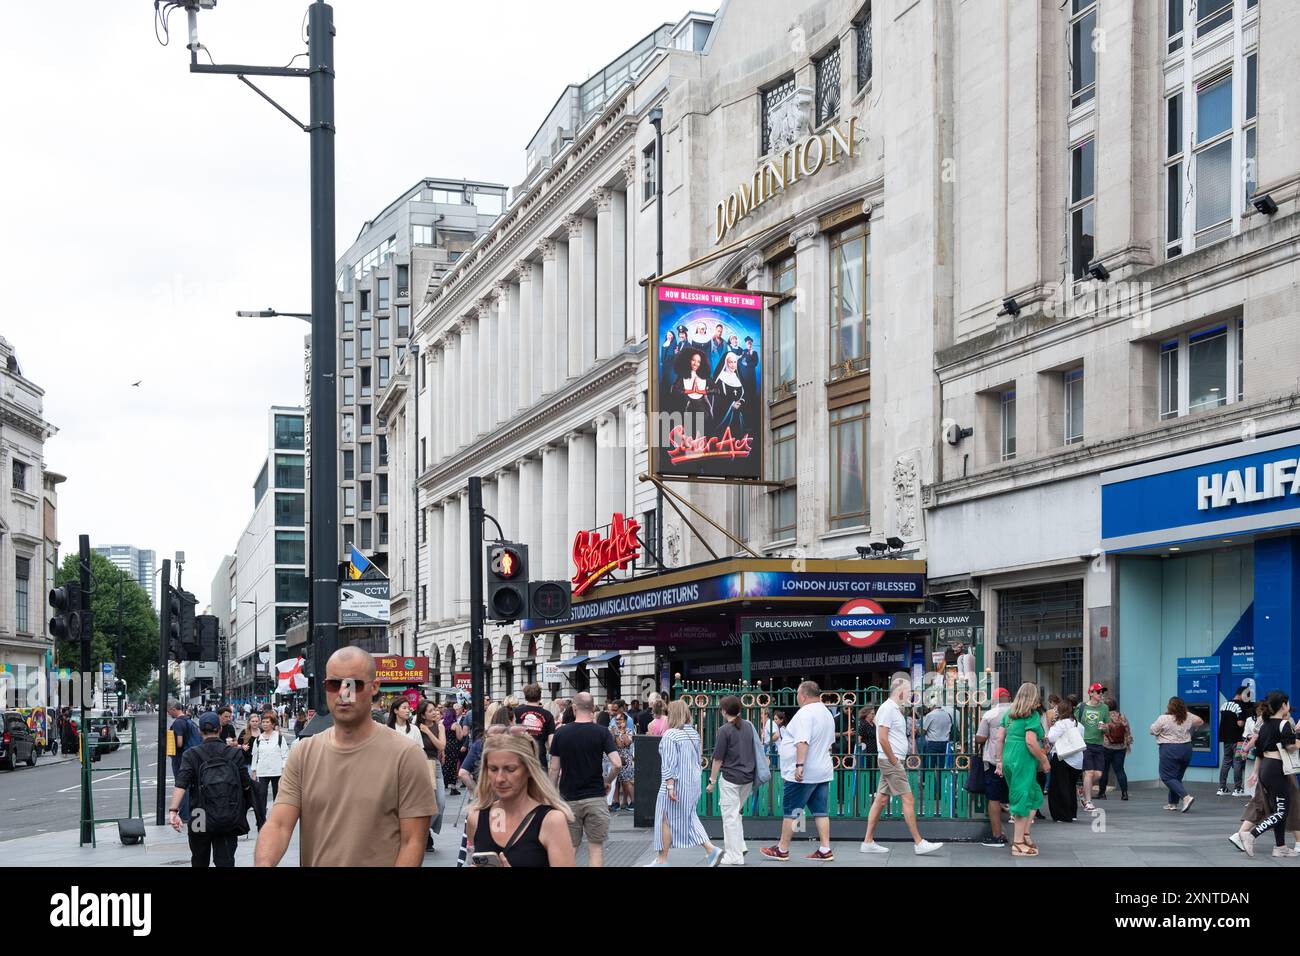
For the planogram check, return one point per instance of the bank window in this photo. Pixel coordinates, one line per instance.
(1201, 370)
(1083, 226)
(349, 315)
(22, 591)
(649, 173)
(784, 470)
(1083, 58)
(784, 329)
(1074, 406)
(1007, 425)
(849, 481)
(850, 302)
(862, 43)
(773, 99)
(828, 86)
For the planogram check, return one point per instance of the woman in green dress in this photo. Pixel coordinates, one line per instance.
(1022, 757)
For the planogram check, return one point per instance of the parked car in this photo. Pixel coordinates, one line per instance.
(103, 726)
(17, 741)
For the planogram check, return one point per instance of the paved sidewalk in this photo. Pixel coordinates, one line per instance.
(1136, 833)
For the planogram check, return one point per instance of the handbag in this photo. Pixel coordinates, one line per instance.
(975, 777)
(1070, 742)
(1290, 760)
(762, 766)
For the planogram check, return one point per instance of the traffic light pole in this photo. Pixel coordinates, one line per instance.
(476, 598)
(87, 814)
(163, 647)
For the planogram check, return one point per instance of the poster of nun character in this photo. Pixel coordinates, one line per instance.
(707, 417)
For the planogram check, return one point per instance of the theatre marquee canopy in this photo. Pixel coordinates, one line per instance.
(734, 585)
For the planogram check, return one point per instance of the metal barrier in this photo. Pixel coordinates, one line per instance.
(89, 737)
(938, 781)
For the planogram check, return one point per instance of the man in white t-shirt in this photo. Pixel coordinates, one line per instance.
(806, 770)
(891, 731)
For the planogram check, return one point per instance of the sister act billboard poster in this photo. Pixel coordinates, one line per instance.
(707, 419)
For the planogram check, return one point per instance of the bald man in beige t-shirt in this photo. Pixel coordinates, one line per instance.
(361, 792)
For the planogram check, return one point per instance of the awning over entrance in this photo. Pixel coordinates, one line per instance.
(605, 658)
(634, 609)
(573, 663)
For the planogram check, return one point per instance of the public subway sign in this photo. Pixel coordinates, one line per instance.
(1273, 479)
(802, 159)
(594, 556)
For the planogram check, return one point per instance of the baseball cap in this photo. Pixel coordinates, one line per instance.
(209, 722)
(1002, 694)
(1096, 688)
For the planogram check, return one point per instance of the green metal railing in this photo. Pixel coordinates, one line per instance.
(938, 781)
(89, 741)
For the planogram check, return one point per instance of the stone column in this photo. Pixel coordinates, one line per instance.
(450, 566)
(604, 200)
(555, 492)
(530, 512)
(582, 293)
(431, 573)
(546, 349)
(508, 503)
(460, 555)
(582, 513)
(487, 370)
(811, 365)
(450, 394)
(528, 372)
(505, 379)
(611, 455)
(469, 383)
(426, 397)
(623, 202)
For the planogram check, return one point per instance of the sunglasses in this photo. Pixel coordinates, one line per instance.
(335, 684)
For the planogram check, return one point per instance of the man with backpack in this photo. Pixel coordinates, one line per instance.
(182, 735)
(215, 779)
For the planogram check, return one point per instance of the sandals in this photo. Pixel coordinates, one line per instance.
(1030, 843)
(1024, 849)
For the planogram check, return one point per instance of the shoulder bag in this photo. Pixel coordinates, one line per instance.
(762, 766)
(1290, 759)
(1070, 742)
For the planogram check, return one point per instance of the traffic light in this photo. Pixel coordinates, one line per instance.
(189, 633)
(182, 642)
(206, 625)
(507, 581)
(549, 600)
(66, 625)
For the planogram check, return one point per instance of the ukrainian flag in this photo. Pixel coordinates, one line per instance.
(357, 565)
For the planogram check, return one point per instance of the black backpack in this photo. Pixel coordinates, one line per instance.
(221, 792)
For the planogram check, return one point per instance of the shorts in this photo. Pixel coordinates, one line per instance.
(995, 787)
(893, 779)
(1094, 757)
(811, 797)
(590, 816)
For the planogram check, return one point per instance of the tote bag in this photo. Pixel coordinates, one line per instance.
(1070, 742)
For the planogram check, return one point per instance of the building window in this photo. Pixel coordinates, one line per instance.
(383, 370)
(828, 86)
(649, 173)
(383, 450)
(20, 475)
(290, 586)
(1211, 127)
(349, 502)
(403, 321)
(424, 524)
(366, 503)
(862, 38)
(1201, 370)
(349, 466)
(383, 490)
(383, 333)
(1007, 443)
(1074, 406)
(784, 468)
(289, 471)
(365, 306)
(422, 235)
(367, 337)
(348, 432)
(366, 390)
(381, 286)
(288, 510)
(773, 98)
(349, 390)
(424, 453)
(383, 530)
(349, 353)
(850, 301)
(22, 588)
(849, 479)
(1083, 226)
(424, 601)
(365, 458)
(1083, 58)
(403, 281)
(367, 541)
(349, 315)
(289, 432)
(366, 426)
(290, 548)
(784, 328)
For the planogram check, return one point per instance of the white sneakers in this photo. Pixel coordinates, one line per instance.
(873, 847)
(1284, 851)
(925, 846)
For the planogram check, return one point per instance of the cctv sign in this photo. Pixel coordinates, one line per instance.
(363, 603)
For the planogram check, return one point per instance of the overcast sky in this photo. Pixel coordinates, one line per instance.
(143, 206)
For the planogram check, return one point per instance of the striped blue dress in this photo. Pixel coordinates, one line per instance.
(679, 760)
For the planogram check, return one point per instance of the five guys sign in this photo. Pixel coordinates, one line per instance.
(594, 556)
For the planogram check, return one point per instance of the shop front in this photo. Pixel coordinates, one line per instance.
(406, 677)
(1209, 581)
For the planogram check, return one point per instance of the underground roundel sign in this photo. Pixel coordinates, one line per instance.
(864, 607)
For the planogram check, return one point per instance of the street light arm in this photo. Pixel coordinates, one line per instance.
(272, 314)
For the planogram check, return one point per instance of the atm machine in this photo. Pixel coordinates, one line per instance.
(1198, 686)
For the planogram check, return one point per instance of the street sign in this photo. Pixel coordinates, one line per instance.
(861, 607)
(363, 603)
(777, 624)
(551, 673)
(108, 671)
